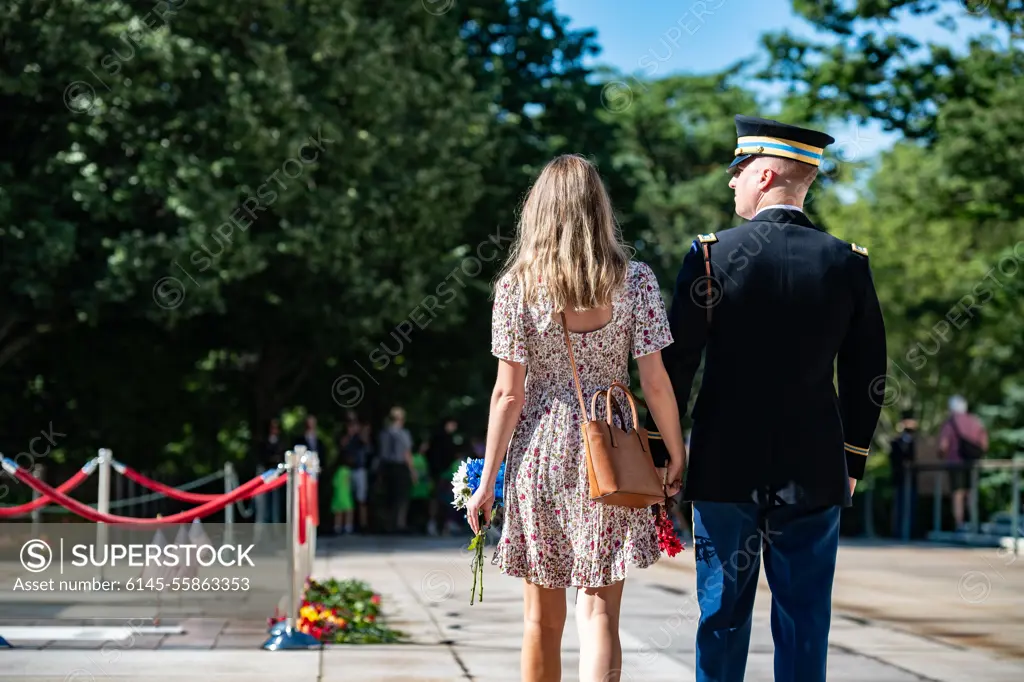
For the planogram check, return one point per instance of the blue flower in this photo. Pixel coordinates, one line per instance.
(475, 470)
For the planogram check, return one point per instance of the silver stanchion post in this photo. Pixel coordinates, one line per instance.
(229, 511)
(313, 469)
(287, 636)
(105, 459)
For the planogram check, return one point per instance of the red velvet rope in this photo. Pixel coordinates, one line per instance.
(302, 492)
(314, 500)
(173, 493)
(29, 507)
(254, 487)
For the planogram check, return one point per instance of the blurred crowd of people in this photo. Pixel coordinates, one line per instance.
(392, 482)
(963, 440)
(388, 482)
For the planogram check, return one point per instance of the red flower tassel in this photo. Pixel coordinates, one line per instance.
(668, 541)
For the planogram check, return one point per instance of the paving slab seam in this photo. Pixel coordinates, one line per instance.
(846, 613)
(997, 651)
(449, 644)
(876, 659)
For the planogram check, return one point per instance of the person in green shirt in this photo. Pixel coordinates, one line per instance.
(421, 490)
(342, 503)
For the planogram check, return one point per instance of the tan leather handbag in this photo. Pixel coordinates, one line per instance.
(619, 463)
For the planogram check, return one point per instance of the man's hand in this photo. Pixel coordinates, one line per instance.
(853, 484)
(674, 478)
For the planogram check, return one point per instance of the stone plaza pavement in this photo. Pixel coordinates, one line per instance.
(902, 613)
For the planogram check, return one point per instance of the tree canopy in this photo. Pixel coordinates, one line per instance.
(216, 213)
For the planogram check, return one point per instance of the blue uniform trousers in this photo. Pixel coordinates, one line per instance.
(799, 545)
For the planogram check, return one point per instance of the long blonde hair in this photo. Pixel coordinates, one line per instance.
(567, 241)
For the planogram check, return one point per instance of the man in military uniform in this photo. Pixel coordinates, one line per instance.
(781, 312)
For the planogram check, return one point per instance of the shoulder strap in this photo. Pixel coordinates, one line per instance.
(707, 271)
(575, 374)
(952, 422)
(705, 241)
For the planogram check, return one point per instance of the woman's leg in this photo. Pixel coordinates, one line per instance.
(543, 622)
(597, 618)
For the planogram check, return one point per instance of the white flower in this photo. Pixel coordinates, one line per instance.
(460, 486)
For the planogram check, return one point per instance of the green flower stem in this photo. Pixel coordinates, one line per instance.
(476, 545)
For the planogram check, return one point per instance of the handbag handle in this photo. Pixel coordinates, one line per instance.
(629, 397)
(618, 411)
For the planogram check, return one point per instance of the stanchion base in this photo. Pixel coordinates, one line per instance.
(291, 639)
(5, 643)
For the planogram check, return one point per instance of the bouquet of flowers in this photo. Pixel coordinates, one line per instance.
(668, 540)
(341, 612)
(464, 484)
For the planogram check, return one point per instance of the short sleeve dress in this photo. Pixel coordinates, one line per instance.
(553, 534)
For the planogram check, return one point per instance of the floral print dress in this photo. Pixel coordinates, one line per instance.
(553, 534)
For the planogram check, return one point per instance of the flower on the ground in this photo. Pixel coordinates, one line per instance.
(341, 612)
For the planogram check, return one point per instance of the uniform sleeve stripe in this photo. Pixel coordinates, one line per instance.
(855, 450)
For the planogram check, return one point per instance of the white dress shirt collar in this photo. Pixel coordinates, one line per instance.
(786, 206)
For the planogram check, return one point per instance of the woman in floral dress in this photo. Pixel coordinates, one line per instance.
(569, 257)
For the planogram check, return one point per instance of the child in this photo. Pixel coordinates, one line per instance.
(342, 504)
(420, 495)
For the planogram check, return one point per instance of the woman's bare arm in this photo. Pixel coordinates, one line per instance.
(507, 400)
(661, 400)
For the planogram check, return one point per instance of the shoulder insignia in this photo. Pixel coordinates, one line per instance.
(707, 238)
(859, 249)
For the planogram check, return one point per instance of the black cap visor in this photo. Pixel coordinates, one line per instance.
(732, 169)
